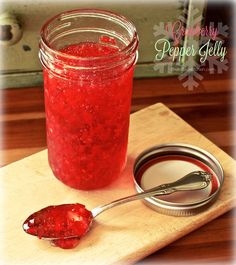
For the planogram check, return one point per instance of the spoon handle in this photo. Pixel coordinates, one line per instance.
(193, 181)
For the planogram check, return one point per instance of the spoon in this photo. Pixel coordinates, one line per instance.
(62, 223)
(195, 180)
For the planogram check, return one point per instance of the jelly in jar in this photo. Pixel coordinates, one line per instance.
(88, 59)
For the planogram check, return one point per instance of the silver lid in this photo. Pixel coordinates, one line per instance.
(169, 162)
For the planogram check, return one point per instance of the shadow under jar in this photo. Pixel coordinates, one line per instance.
(88, 59)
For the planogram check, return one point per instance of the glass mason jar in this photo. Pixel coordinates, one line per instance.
(88, 59)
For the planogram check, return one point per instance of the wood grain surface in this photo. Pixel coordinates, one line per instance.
(208, 108)
(137, 229)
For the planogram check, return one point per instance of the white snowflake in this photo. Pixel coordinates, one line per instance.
(223, 30)
(222, 33)
(189, 79)
(164, 67)
(196, 17)
(163, 30)
(215, 65)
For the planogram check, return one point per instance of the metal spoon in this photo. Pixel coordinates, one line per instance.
(195, 180)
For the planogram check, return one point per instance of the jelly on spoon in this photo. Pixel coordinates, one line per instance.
(65, 224)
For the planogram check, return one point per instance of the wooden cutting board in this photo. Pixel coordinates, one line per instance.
(122, 235)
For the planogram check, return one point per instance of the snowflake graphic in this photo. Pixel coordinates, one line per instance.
(190, 75)
(163, 30)
(196, 16)
(189, 79)
(215, 65)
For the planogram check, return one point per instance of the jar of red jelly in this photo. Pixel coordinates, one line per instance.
(88, 59)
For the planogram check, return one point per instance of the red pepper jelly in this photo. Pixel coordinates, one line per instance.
(63, 224)
(88, 58)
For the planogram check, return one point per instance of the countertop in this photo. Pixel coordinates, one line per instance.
(208, 108)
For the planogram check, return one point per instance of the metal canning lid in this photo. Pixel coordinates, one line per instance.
(169, 162)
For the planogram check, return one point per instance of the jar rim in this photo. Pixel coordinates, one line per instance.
(132, 45)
